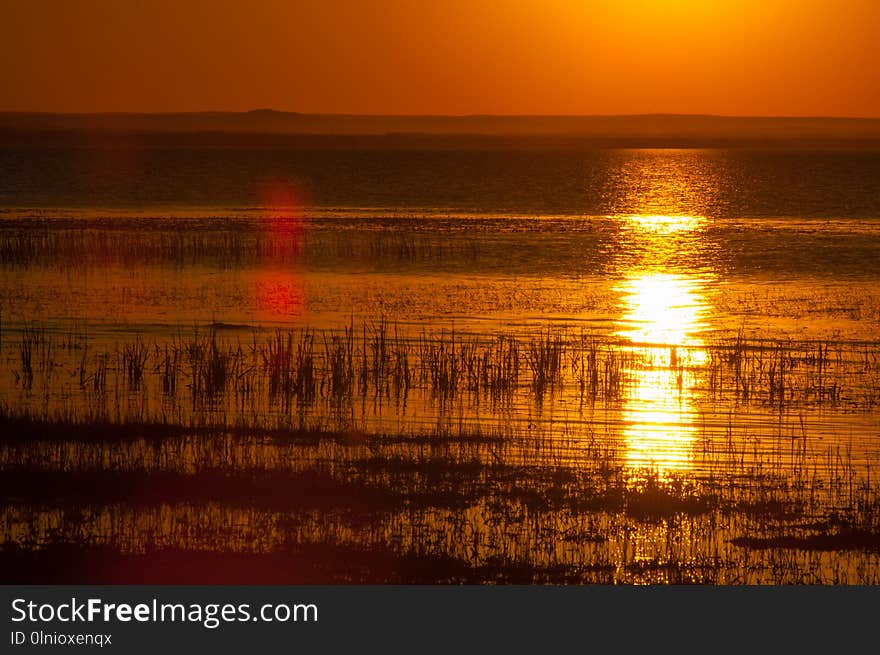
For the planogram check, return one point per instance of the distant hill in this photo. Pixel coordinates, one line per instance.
(608, 130)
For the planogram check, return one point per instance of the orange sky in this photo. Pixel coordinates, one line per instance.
(737, 57)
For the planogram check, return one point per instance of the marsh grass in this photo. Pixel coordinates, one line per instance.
(54, 247)
(133, 362)
(222, 244)
(230, 447)
(298, 372)
(544, 358)
(289, 363)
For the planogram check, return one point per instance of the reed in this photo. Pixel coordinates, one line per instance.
(339, 353)
(544, 356)
(133, 361)
(301, 372)
(288, 360)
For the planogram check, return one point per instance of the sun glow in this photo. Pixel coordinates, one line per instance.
(661, 321)
(663, 314)
(658, 224)
(662, 309)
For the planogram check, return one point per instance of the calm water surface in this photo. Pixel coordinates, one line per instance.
(660, 255)
(690, 314)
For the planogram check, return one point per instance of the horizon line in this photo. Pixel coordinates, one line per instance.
(285, 112)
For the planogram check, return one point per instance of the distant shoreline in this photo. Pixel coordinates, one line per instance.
(206, 140)
(316, 130)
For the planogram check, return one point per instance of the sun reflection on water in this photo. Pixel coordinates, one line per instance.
(660, 225)
(662, 320)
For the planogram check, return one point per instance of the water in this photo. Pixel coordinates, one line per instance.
(514, 180)
(657, 248)
(667, 306)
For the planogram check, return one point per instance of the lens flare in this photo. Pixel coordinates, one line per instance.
(278, 289)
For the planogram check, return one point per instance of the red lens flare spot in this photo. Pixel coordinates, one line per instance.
(278, 288)
(279, 295)
(283, 205)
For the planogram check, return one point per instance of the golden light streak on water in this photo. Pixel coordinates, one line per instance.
(660, 225)
(662, 319)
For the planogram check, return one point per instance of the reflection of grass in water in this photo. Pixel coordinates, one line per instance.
(508, 506)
